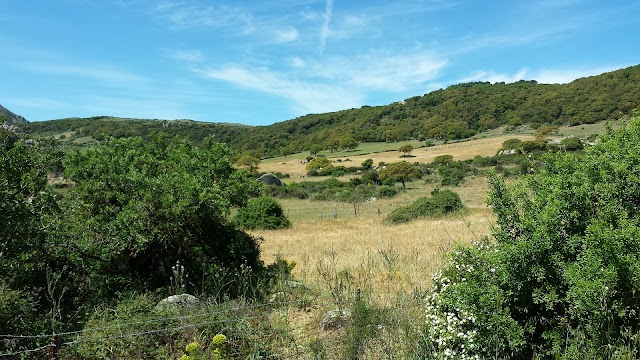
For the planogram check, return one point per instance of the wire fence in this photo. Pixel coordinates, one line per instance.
(213, 317)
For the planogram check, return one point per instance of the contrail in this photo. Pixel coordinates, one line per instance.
(324, 32)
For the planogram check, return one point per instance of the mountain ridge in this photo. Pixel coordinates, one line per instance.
(10, 117)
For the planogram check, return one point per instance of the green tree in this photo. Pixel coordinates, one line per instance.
(348, 142)
(512, 144)
(27, 209)
(319, 162)
(406, 150)
(314, 149)
(141, 207)
(399, 172)
(332, 143)
(442, 160)
(248, 160)
(367, 164)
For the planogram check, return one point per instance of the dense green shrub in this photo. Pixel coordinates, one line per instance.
(441, 202)
(387, 191)
(562, 277)
(572, 143)
(262, 213)
(451, 176)
(139, 207)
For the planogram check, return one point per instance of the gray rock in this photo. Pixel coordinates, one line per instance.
(296, 285)
(177, 302)
(334, 319)
(270, 179)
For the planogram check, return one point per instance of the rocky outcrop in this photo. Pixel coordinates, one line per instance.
(11, 118)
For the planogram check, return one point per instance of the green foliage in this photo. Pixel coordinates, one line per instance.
(141, 207)
(249, 160)
(367, 164)
(441, 202)
(262, 213)
(318, 163)
(406, 150)
(561, 279)
(451, 175)
(348, 142)
(512, 144)
(572, 143)
(111, 331)
(314, 149)
(442, 160)
(398, 172)
(367, 323)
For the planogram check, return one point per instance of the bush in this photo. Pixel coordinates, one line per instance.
(440, 203)
(451, 176)
(262, 213)
(572, 143)
(387, 191)
(562, 277)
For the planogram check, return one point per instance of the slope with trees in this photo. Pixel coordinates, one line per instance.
(456, 112)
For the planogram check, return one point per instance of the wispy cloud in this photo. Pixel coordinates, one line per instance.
(189, 56)
(382, 71)
(287, 35)
(297, 62)
(335, 83)
(102, 73)
(544, 76)
(308, 97)
(189, 15)
(324, 30)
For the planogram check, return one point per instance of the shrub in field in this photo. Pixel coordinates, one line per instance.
(562, 277)
(440, 203)
(262, 213)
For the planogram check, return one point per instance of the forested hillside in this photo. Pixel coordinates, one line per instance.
(456, 112)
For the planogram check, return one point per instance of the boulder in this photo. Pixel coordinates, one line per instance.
(175, 302)
(270, 179)
(334, 319)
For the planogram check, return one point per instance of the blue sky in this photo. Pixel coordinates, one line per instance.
(258, 62)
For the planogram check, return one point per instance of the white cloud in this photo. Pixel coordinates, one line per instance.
(557, 76)
(187, 55)
(492, 77)
(336, 83)
(287, 35)
(382, 71)
(308, 97)
(189, 15)
(297, 62)
(543, 76)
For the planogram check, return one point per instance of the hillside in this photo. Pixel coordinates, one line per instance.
(457, 112)
(10, 117)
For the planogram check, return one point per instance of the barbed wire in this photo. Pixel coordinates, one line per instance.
(156, 331)
(21, 352)
(178, 318)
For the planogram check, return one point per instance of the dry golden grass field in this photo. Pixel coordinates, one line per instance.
(295, 165)
(328, 241)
